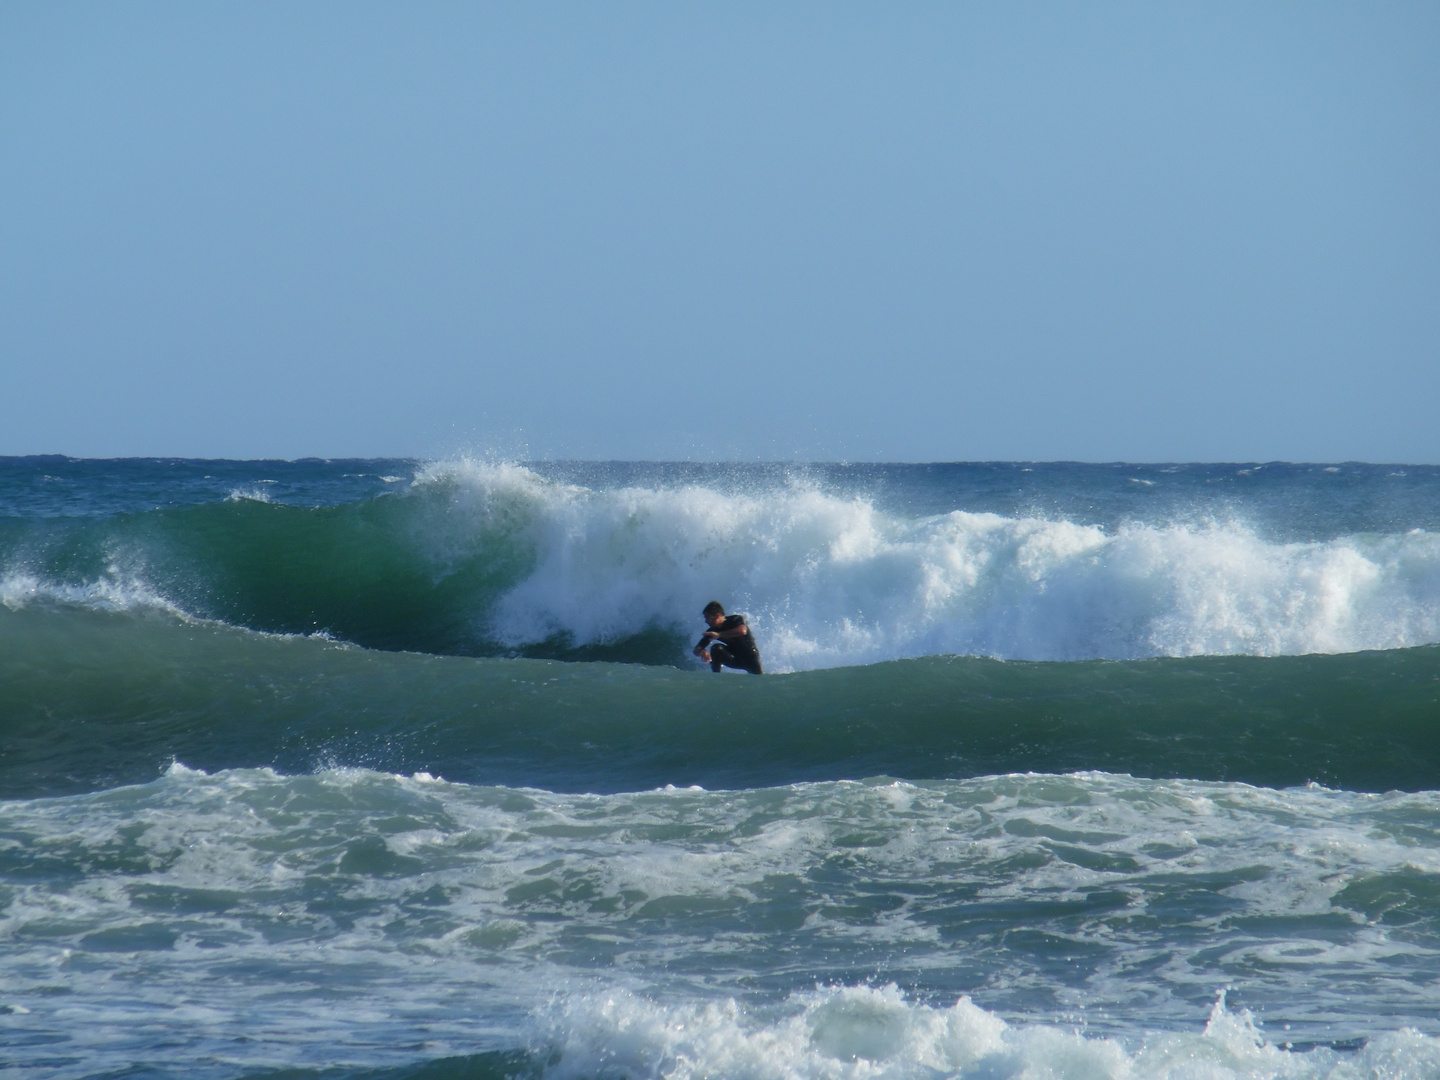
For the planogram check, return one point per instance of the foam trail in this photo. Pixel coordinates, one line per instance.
(830, 581)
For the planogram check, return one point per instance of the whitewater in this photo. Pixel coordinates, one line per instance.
(403, 770)
(837, 581)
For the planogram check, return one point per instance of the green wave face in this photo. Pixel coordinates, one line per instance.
(421, 572)
(391, 573)
(95, 699)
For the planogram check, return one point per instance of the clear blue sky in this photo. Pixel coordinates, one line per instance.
(722, 231)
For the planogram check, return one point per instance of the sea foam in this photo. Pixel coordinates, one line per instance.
(113, 592)
(636, 934)
(874, 1033)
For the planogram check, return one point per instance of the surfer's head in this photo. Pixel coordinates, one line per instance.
(713, 612)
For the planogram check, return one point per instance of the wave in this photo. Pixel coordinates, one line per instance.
(874, 1032)
(95, 698)
(477, 559)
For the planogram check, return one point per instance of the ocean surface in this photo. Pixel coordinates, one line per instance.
(397, 769)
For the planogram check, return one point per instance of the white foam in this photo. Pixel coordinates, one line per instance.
(113, 592)
(250, 494)
(828, 581)
(860, 1032)
(435, 908)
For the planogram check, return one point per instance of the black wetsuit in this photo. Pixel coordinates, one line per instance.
(737, 652)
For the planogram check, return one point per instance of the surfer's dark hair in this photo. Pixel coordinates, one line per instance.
(714, 607)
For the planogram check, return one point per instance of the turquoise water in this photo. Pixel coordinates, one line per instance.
(399, 769)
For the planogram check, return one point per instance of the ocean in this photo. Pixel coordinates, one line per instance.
(395, 769)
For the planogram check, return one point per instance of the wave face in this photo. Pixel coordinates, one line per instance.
(842, 568)
(95, 699)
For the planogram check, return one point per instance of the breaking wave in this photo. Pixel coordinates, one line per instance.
(485, 559)
(862, 1032)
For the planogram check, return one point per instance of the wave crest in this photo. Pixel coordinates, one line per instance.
(109, 593)
(828, 581)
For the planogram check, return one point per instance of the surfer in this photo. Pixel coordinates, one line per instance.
(728, 642)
